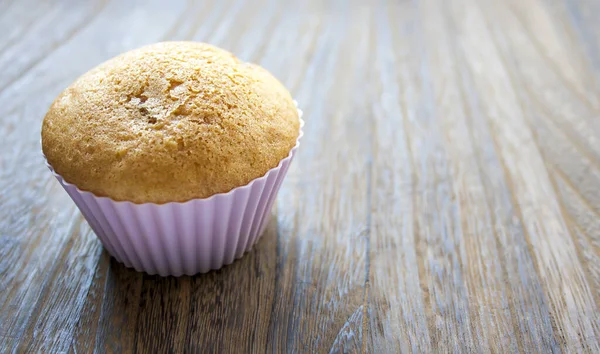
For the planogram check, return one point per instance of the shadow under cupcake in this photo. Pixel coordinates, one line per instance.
(174, 153)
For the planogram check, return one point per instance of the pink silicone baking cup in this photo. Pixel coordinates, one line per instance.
(183, 238)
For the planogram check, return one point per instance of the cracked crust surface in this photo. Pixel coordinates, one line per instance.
(169, 122)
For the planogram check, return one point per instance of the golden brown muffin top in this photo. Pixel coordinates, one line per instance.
(169, 122)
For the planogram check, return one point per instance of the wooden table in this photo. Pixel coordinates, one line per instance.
(446, 196)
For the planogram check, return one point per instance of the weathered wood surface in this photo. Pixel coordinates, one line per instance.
(446, 196)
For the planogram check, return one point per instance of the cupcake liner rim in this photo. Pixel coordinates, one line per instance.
(217, 195)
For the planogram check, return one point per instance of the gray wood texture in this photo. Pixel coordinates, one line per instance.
(445, 198)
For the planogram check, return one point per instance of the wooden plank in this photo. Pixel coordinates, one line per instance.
(581, 15)
(566, 288)
(62, 298)
(397, 321)
(575, 165)
(450, 252)
(16, 21)
(84, 335)
(585, 224)
(558, 48)
(36, 42)
(24, 274)
(322, 260)
(229, 310)
(525, 293)
(564, 90)
(495, 322)
(565, 133)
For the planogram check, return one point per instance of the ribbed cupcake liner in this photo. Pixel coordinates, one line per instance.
(183, 238)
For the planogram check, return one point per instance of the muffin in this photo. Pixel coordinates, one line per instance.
(174, 153)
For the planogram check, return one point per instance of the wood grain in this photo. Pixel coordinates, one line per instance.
(445, 198)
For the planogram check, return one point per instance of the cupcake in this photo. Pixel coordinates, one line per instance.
(174, 154)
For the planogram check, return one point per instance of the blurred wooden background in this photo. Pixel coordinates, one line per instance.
(446, 196)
